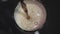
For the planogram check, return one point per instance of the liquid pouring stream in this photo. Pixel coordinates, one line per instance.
(25, 9)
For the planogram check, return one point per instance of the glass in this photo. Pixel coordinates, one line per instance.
(30, 15)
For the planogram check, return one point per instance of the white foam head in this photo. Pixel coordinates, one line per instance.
(37, 14)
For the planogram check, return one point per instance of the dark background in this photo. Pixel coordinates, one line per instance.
(7, 22)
